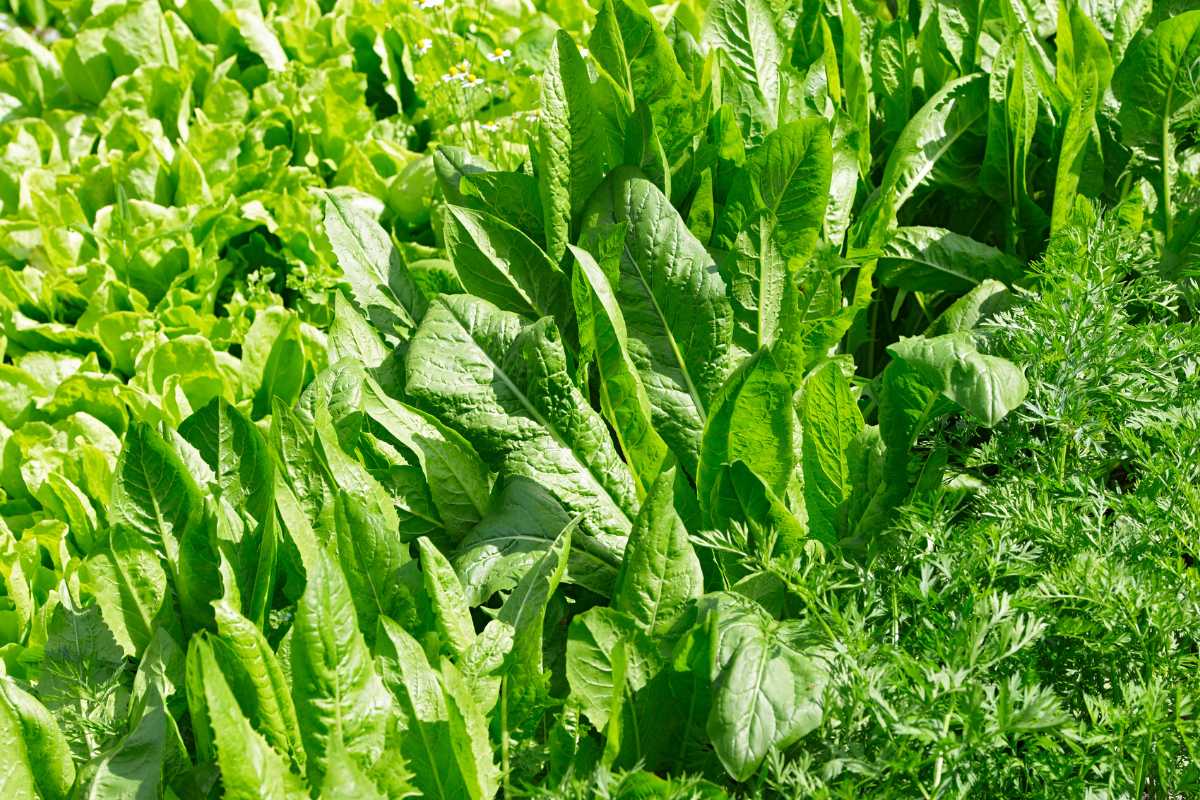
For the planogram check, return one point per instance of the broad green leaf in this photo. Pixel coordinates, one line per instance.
(503, 266)
(407, 673)
(764, 511)
(513, 196)
(337, 693)
(655, 77)
(1012, 123)
(452, 164)
(153, 492)
(80, 654)
(607, 47)
(250, 768)
(893, 70)
(523, 523)
(132, 767)
(346, 780)
(773, 214)
(399, 510)
(282, 374)
(130, 586)
(1019, 17)
(925, 259)
(766, 692)
(445, 593)
(42, 741)
(591, 643)
(988, 387)
(351, 336)
(573, 152)
(855, 85)
(1131, 16)
(831, 422)
(373, 267)
(1156, 86)
(1080, 48)
(660, 572)
(504, 385)
(985, 300)
(237, 453)
(368, 553)
(271, 709)
(677, 316)
(1077, 133)
(743, 32)
(16, 775)
(753, 421)
(18, 391)
(469, 735)
(525, 611)
(789, 176)
(458, 480)
(442, 751)
(623, 397)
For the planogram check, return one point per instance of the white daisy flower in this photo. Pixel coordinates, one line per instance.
(471, 79)
(423, 46)
(499, 55)
(490, 127)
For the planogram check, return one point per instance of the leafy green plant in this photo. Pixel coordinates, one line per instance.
(722, 399)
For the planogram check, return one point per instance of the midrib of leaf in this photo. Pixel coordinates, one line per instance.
(428, 747)
(537, 416)
(756, 695)
(687, 377)
(437, 523)
(583, 543)
(947, 269)
(367, 571)
(150, 487)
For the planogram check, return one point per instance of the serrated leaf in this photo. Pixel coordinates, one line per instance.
(337, 693)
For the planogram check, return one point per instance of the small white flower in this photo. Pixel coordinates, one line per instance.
(583, 51)
(464, 65)
(458, 72)
(423, 46)
(499, 55)
(471, 79)
(490, 127)
(425, 5)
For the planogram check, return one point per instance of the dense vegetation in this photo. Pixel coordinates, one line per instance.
(717, 399)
